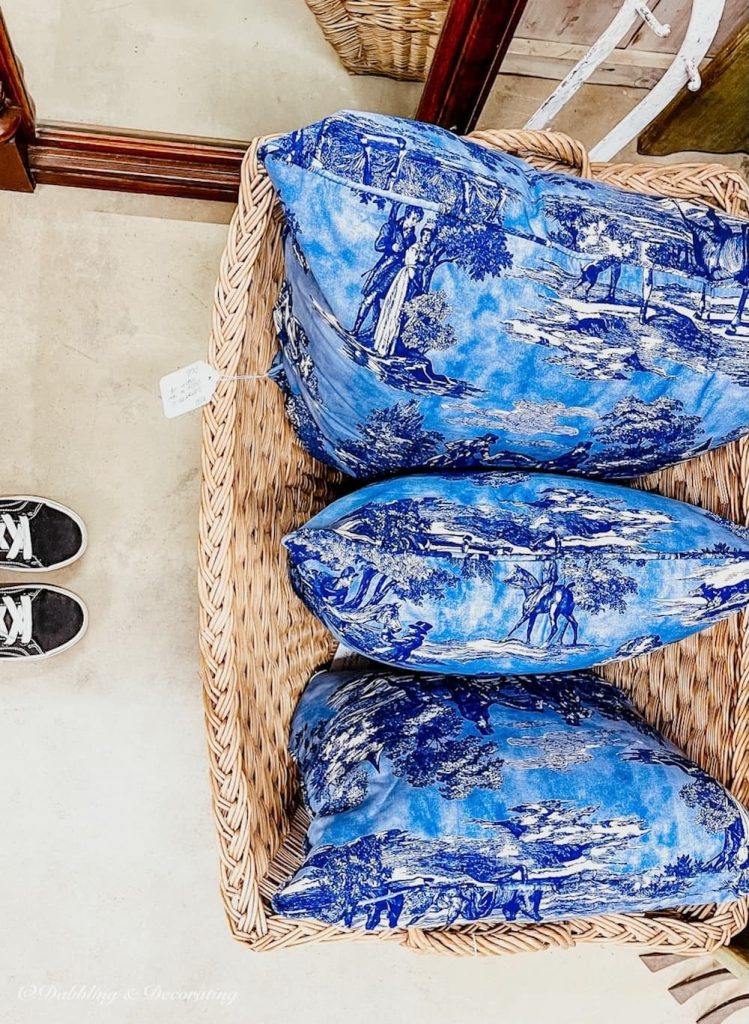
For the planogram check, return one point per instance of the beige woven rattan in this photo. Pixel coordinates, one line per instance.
(382, 37)
(259, 645)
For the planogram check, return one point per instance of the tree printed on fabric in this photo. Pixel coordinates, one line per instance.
(715, 810)
(425, 324)
(634, 432)
(479, 249)
(420, 734)
(598, 588)
(718, 814)
(391, 436)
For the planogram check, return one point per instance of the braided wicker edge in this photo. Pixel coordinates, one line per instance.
(248, 872)
(382, 37)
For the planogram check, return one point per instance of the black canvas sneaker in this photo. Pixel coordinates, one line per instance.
(37, 621)
(37, 534)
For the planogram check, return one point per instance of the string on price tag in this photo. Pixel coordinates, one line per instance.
(193, 386)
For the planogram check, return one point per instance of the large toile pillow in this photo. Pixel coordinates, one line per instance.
(446, 305)
(438, 800)
(489, 572)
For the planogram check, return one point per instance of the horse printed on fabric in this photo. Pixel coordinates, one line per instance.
(491, 572)
(545, 596)
(445, 288)
(529, 799)
(721, 253)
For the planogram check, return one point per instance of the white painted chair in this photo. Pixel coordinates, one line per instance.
(703, 25)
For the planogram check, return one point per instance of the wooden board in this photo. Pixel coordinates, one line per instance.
(676, 14)
(541, 58)
(582, 22)
(713, 120)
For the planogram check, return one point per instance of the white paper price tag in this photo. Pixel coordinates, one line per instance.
(188, 388)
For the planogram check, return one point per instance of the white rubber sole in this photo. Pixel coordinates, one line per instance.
(73, 640)
(60, 508)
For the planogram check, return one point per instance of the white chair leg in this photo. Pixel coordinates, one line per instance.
(625, 18)
(703, 25)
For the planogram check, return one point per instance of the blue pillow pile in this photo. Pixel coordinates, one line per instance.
(451, 310)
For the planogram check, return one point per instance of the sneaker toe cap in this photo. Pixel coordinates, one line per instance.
(57, 536)
(59, 618)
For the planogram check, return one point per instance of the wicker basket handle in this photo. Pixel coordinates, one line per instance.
(550, 150)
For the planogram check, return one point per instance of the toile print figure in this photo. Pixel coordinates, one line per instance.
(721, 255)
(722, 588)
(718, 595)
(405, 286)
(603, 238)
(403, 640)
(544, 596)
(413, 279)
(288, 326)
(397, 236)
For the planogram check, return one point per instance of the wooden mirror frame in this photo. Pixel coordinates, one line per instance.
(474, 40)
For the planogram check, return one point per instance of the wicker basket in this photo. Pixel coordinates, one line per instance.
(259, 645)
(382, 37)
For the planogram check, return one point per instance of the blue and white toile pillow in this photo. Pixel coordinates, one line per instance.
(449, 306)
(438, 800)
(490, 572)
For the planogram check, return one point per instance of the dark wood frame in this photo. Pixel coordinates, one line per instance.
(128, 161)
(471, 48)
(474, 41)
(17, 119)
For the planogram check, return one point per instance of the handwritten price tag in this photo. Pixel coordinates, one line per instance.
(188, 388)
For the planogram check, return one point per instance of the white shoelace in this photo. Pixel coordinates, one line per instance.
(18, 616)
(15, 537)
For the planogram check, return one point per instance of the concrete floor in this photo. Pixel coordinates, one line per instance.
(108, 865)
(228, 68)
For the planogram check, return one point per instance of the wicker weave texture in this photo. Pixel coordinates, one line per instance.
(396, 38)
(259, 645)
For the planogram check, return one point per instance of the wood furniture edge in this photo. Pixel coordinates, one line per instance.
(17, 116)
(475, 37)
(89, 156)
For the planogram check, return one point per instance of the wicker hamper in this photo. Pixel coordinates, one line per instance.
(259, 645)
(382, 37)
